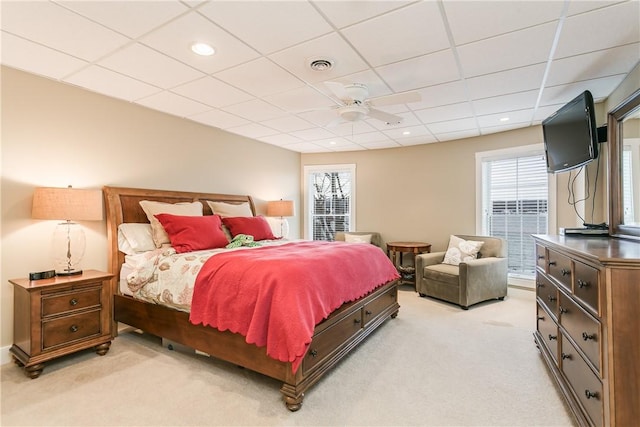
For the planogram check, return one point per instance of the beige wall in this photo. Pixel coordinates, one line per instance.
(55, 135)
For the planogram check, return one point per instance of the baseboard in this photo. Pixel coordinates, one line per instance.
(5, 357)
(522, 283)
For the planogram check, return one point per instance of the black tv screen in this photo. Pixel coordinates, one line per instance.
(570, 136)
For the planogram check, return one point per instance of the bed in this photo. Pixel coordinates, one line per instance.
(332, 338)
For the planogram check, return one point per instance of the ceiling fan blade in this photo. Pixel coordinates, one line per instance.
(396, 98)
(390, 119)
(338, 90)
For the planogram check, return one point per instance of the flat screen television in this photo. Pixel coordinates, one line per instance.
(570, 135)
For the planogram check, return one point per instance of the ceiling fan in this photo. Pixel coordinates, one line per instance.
(355, 103)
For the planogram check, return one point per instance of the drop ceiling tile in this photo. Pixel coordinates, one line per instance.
(371, 138)
(300, 99)
(176, 37)
(455, 135)
(145, 64)
(407, 132)
(505, 82)
(408, 119)
(295, 59)
(312, 134)
(173, 104)
(426, 70)
(476, 20)
(512, 50)
(375, 145)
(320, 117)
(599, 88)
(375, 85)
(491, 120)
(306, 147)
(426, 139)
(344, 13)
(499, 104)
(54, 26)
(495, 129)
(131, 18)
(350, 147)
(445, 113)
(280, 139)
(253, 130)
(260, 77)
(219, 119)
(442, 94)
(347, 129)
(212, 92)
(110, 83)
(268, 26)
(592, 65)
(333, 142)
(592, 31)
(452, 126)
(288, 124)
(542, 113)
(34, 58)
(256, 110)
(393, 37)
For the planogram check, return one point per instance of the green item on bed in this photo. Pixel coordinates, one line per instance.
(242, 240)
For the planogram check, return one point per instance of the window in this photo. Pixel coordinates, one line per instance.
(514, 191)
(329, 200)
(627, 186)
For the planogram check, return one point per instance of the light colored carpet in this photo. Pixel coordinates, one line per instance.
(434, 365)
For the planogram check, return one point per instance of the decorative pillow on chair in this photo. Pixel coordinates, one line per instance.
(193, 233)
(255, 226)
(461, 250)
(357, 238)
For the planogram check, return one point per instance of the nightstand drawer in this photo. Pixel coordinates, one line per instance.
(64, 330)
(62, 302)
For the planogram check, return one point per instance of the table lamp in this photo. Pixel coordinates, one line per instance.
(281, 208)
(68, 204)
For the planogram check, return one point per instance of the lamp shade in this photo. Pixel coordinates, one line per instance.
(67, 204)
(280, 208)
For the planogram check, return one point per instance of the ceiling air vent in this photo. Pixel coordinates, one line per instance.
(320, 64)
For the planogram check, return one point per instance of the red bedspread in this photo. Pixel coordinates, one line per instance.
(275, 295)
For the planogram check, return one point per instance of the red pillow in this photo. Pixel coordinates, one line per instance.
(193, 233)
(255, 226)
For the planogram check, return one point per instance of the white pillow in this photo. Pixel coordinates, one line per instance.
(225, 209)
(357, 238)
(135, 238)
(461, 250)
(151, 208)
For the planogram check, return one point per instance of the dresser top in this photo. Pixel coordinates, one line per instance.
(606, 250)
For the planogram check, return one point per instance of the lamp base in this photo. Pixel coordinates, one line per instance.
(68, 273)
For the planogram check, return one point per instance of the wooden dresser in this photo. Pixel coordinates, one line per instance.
(588, 324)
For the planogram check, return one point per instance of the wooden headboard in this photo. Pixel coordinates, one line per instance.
(122, 206)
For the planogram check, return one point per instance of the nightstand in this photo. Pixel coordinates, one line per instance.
(58, 316)
(395, 251)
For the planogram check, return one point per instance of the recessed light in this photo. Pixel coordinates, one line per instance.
(332, 143)
(406, 132)
(504, 119)
(203, 49)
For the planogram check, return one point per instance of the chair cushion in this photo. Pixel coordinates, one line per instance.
(442, 273)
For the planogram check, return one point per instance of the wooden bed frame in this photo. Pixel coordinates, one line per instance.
(333, 338)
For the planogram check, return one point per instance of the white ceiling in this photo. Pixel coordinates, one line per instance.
(473, 62)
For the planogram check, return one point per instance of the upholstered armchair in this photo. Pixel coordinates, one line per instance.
(470, 282)
(376, 239)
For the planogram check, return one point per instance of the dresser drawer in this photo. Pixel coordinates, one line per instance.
(548, 293)
(63, 302)
(379, 305)
(587, 286)
(541, 257)
(548, 330)
(585, 384)
(560, 268)
(583, 328)
(64, 330)
(323, 343)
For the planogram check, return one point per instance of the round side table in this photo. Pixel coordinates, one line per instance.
(395, 251)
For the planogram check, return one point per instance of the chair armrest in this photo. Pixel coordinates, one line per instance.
(423, 260)
(490, 271)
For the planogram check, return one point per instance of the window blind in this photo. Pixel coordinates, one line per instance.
(627, 186)
(330, 201)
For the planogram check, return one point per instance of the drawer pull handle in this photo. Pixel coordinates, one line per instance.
(73, 328)
(587, 337)
(540, 284)
(368, 312)
(540, 317)
(591, 394)
(540, 256)
(356, 321)
(582, 283)
(552, 263)
(551, 298)
(73, 301)
(563, 310)
(553, 337)
(313, 352)
(565, 272)
(566, 356)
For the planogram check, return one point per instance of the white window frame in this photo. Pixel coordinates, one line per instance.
(308, 192)
(508, 153)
